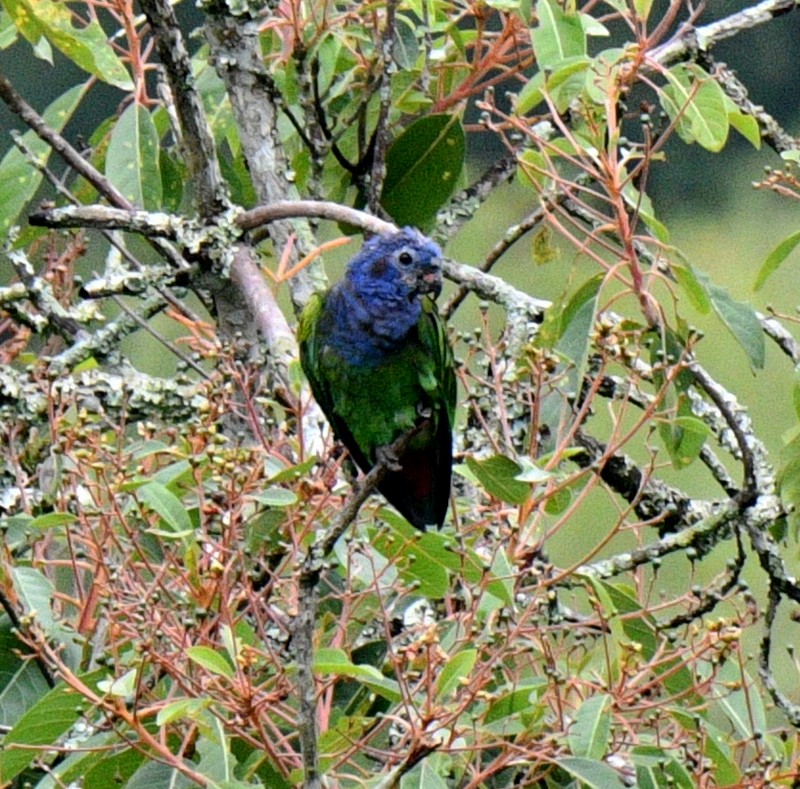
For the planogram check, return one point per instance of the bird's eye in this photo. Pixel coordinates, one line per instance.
(405, 258)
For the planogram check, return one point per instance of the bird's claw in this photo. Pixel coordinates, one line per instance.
(387, 458)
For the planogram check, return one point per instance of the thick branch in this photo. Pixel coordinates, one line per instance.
(236, 49)
(199, 150)
(689, 39)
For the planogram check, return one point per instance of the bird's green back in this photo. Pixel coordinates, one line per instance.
(373, 405)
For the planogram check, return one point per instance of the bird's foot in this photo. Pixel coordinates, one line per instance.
(387, 458)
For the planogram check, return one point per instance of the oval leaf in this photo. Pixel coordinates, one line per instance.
(336, 662)
(19, 179)
(85, 45)
(589, 733)
(743, 323)
(132, 161)
(591, 774)
(210, 660)
(559, 35)
(697, 103)
(498, 475)
(167, 505)
(52, 520)
(457, 670)
(423, 167)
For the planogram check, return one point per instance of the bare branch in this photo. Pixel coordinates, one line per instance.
(689, 39)
(198, 148)
(33, 120)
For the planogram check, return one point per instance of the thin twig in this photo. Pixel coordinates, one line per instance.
(310, 573)
(33, 120)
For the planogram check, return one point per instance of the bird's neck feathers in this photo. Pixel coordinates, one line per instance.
(366, 324)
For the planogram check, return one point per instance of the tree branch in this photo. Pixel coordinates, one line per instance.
(198, 142)
(310, 573)
(689, 39)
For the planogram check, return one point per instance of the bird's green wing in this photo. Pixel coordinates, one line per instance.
(310, 350)
(433, 336)
(329, 383)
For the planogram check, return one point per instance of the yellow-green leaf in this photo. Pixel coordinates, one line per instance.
(19, 179)
(85, 45)
(773, 261)
(210, 660)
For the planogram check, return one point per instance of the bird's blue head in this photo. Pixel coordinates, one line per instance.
(377, 303)
(396, 267)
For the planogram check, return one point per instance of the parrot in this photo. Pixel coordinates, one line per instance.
(376, 355)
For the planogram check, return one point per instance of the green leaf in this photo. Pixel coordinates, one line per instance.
(132, 160)
(123, 686)
(85, 45)
(498, 477)
(35, 592)
(457, 669)
(8, 30)
(685, 437)
(98, 764)
(276, 497)
(216, 762)
(423, 168)
(405, 49)
(641, 628)
(502, 573)
(588, 736)
(424, 559)
(112, 768)
(427, 774)
(716, 746)
(154, 774)
(188, 709)
(211, 661)
(743, 323)
(698, 103)
(577, 321)
(168, 506)
(567, 81)
(519, 700)
(796, 393)
(773, 261)
(692, 286)
(21, 681)
(562, 314)
(279, 472)
(559, 35)
(41, 726)
(658, 767)
(746, 125)
(336, 662)
(534, 170)
(591, 774)
(52, 520)
(532, 94)
(643, 205)
(642, 8)
(19, 180)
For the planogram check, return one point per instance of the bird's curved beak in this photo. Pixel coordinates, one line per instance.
(429, 280)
